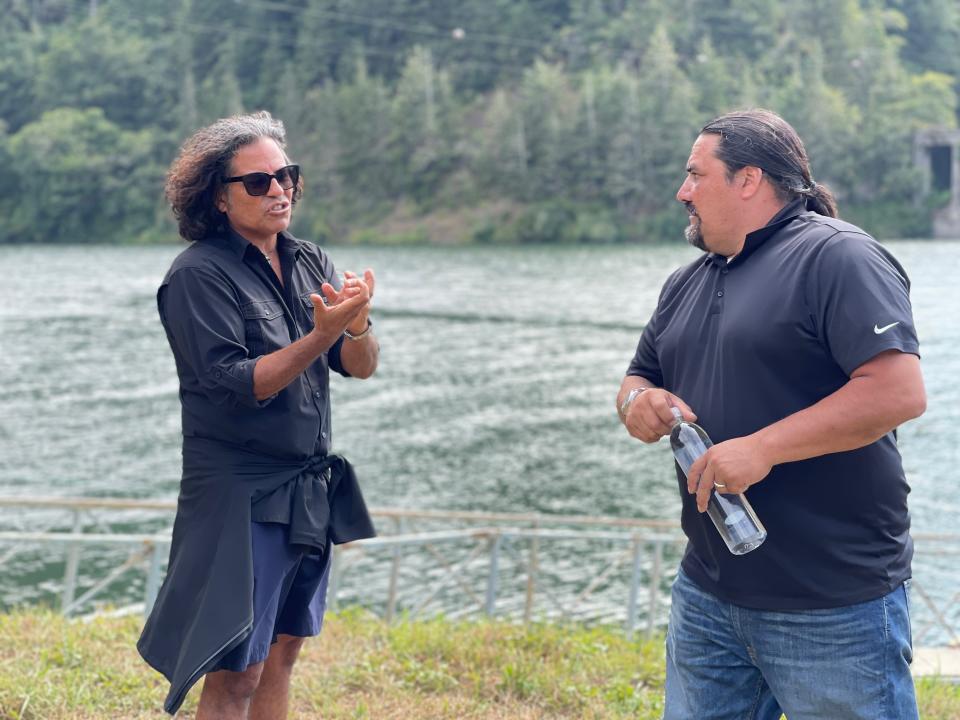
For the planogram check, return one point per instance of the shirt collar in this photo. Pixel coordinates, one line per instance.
(758, 237)
(287, 244)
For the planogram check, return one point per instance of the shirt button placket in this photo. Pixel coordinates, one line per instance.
(717, 305)
(318, 401)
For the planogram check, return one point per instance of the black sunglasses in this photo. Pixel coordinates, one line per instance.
(258, 183)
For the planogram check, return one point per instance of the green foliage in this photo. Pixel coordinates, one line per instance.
(370, 236)
(74, 176)
(424, 129)
(931, 35)
(18, 69)
(888, 220)
(95, 65)
(580, 112)
(549, 222)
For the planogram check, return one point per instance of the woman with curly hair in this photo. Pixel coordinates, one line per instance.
(255, 319)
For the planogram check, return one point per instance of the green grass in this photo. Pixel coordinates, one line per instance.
(360, 668)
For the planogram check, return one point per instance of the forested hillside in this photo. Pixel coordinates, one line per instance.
(482, 120)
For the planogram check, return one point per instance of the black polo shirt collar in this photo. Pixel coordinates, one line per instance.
(758, 237)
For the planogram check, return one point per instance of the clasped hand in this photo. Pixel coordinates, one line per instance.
(347, 308)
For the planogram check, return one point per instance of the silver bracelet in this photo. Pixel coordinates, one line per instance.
(631, 396)
(350, 336)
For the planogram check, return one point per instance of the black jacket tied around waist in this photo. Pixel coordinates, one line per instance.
(205, 605)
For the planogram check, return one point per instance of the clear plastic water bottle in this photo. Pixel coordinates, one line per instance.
(732, 513)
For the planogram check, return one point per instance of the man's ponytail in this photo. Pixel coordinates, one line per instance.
(821, 201)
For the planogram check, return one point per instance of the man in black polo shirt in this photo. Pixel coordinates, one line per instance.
(791, 342)
(255, 319)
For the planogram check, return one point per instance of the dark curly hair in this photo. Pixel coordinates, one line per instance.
(763, 139)
(195, 179)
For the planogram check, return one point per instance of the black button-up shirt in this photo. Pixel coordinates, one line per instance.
(223, 308)
(244, 460)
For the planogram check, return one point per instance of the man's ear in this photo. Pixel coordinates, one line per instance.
(751, 178)
(221, 201)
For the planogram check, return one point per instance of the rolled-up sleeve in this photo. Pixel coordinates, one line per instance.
(333, 358)
(204, 322)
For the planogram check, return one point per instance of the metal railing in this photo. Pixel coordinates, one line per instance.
(519, 566)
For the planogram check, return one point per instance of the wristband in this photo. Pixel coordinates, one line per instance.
(350, 336)
(631, 396)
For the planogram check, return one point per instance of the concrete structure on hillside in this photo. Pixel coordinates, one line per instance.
(937, 154)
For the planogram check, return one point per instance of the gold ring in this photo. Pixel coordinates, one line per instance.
(720, 485)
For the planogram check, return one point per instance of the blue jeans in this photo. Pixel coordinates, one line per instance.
(726, 662)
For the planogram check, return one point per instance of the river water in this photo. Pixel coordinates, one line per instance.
(495, 390)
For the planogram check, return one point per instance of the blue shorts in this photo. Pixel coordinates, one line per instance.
(847, 663)
(289, 595)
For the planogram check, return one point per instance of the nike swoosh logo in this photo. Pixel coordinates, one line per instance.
(882, 330)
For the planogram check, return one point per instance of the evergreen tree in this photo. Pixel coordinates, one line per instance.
(717, 87)
(668, 120)
(18, 71)
(500, 159)
(274, 65)
(221, 94)
(423, 129)
(545, 98)
(320, 42)
(625, 182)
(363, 115)
(187, 107)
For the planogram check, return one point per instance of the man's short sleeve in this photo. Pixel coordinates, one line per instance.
(201, 314)
(646, 361)
(860, 300)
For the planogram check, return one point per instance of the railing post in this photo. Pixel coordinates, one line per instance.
(152, 586)
(333, 586)
(532, 568)
(72, 565)
(394, 573)
(631, 621)
(655, 585)
(493, 574)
